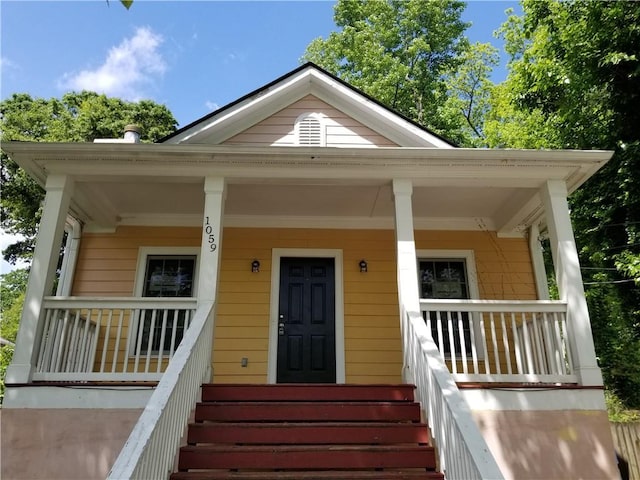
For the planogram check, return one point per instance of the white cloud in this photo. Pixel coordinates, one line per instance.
(8, 64)
(128, 68)
(211, 105)
(7, 239)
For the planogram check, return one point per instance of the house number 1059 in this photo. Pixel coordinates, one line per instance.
(208, 231)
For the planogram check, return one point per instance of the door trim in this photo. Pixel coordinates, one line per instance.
(276, 255)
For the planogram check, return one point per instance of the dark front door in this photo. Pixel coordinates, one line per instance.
(306, 323)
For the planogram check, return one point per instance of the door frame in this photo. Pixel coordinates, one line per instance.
(276, 255)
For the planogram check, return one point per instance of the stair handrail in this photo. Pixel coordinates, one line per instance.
(462, 450)
(151, 448)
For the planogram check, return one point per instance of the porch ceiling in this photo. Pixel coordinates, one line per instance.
(120, 184)
(294, 202)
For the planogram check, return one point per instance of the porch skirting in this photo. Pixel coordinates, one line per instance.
(52, 444)
(553, 444)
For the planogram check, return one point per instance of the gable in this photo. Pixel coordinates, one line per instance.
(337, 129)
(307, 83)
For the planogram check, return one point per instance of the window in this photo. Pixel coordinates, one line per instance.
(166, 276)
(446, 279)
(309, 130)
(163, 275)
(450, 274)
(169, 276)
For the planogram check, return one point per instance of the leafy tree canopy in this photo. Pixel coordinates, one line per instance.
(12, 291)
(411, 55)
(76, 117)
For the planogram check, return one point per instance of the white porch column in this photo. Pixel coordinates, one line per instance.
(406, 248)
(43, 268)
(408, 294)
(211, 246)
(570, 287)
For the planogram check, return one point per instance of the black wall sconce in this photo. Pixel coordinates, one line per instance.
(363, 266)
(255, 266)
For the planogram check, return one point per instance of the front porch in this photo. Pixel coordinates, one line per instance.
(393, 208)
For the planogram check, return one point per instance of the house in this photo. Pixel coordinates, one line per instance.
(304, 233)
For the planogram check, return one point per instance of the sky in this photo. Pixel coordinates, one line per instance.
(192, 56)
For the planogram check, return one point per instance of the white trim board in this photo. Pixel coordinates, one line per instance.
(532, 399)
(276, 255)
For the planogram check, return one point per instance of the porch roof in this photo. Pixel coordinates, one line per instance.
(156, 184)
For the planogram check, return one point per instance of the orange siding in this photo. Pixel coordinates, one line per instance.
(340, 130)
(371, 305)
(503, 265)
(107, 263)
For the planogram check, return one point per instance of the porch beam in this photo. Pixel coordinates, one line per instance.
(59, 189)
(567, 269)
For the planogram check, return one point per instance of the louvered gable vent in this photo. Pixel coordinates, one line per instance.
(309, 129)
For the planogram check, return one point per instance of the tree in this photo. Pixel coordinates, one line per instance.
(403, 52)
(469, 91)
(76, 117)
(574, 82)
(12, 288)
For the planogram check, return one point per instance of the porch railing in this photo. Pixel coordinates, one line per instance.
(501, 340)
(150, 450)
(110, 339)
(462, 450)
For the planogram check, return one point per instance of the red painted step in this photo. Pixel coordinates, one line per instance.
(307, 411)
(306, 432)
(305, 392)
(305, 457)
(310, 475)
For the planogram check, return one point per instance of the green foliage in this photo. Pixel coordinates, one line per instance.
(76, 117)
(574, 82)
(412, 56)
(12, 285)
(6, 354)
(9, 322)
(12, 290)
(617, 411)
(469, 91)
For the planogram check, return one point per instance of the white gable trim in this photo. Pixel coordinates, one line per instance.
(308, 81)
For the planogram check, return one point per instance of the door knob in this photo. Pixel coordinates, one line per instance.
(281, 329)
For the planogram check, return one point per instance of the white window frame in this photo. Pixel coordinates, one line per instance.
(472, 278)
(144, 252)
(141, 265)
(320, 118)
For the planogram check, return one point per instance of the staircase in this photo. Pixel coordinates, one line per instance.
(310, 431)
